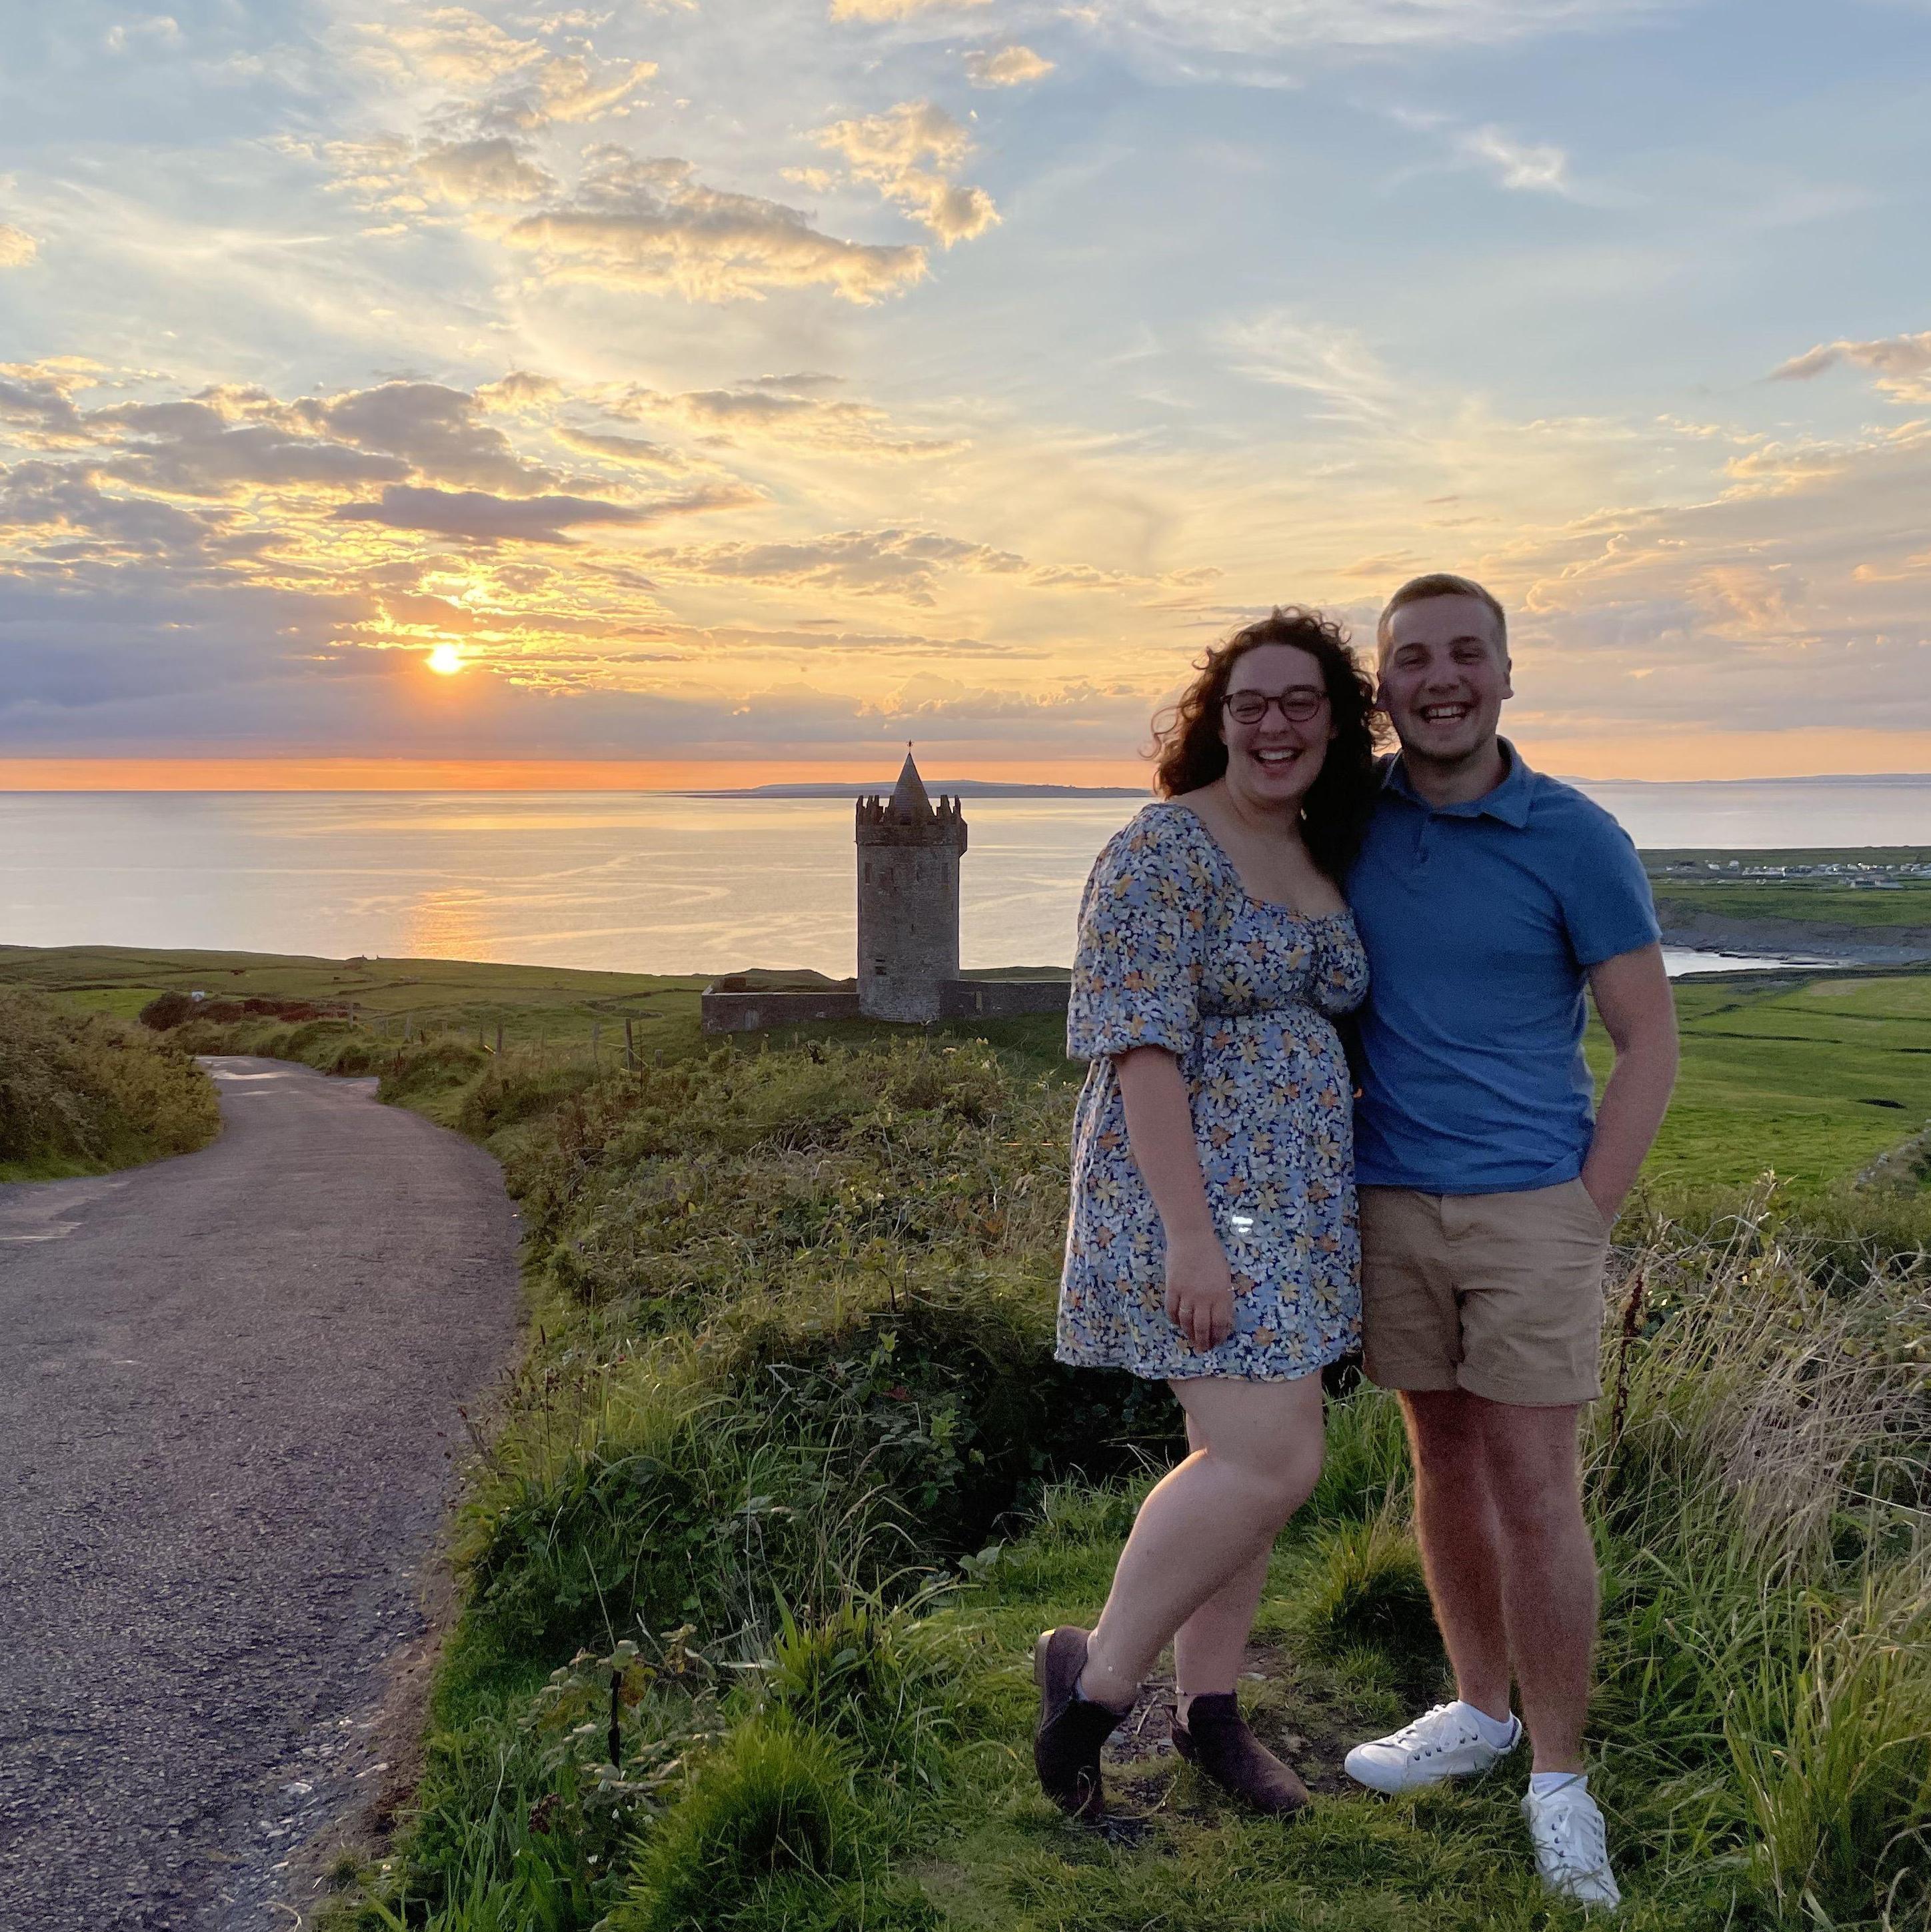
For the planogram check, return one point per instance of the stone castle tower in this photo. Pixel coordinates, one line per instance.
(908, 854)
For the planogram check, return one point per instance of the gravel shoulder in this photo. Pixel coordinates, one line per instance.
(229, 1394)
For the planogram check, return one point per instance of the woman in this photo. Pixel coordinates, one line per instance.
(1212, 1242)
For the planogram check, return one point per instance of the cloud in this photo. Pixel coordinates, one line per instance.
(477, 517)
(1333, 365)
(466, 172)
(451, 45)
(571, 89)
(17, 247)
(520, 389)
(35, 398)
(73, 519)
(902, 563)
(888, 151)
(895, 9)
(156, 29)
(931, 699)
(190, 449)
(650, 224)
(769, 410)
(1238, 27)
(1011, 66)
(629, 449)
(1537, 167)
(441, 432)
(506, 81)
(1902, 363)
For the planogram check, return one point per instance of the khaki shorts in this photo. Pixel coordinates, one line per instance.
(1498, 1293)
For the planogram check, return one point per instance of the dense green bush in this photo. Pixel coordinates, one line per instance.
(85, 1092)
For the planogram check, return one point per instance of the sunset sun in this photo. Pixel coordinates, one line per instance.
(445, 660)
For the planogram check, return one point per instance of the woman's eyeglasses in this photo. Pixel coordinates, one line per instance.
(1297, 706)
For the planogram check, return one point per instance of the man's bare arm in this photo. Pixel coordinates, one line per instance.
(1632, 995)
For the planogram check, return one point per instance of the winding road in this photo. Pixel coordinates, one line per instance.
(229, 1386)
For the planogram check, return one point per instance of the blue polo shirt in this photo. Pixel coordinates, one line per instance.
(1481, 921)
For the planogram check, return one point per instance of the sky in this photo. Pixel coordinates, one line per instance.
(721, 393)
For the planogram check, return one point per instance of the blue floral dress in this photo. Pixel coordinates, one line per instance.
(1174, 952)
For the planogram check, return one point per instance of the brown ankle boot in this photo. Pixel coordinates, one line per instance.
(1216, 1737)
(1071, 1730)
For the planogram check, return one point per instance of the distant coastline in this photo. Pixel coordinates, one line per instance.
(946, 787)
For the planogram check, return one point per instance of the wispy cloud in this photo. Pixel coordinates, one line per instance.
(477, 517)
(1237, 26)
(1333, 365)
(779, 409)
(905, 564)
(1539, 166)
(17, 247)
(1902, 363)
(896, 10)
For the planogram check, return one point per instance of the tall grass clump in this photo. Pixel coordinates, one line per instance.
(1760, 1478)
(85, 1093)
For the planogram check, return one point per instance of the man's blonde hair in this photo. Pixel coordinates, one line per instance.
(1440, 584)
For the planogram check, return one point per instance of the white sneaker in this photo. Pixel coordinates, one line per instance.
(1572, 1847)
(1443, 1744)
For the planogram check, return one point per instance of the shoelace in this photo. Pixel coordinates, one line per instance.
(1574, 1835)
(1406, 1737)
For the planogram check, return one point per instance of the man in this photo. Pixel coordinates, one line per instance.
(1488, 895)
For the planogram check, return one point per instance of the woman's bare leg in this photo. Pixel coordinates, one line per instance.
(1208, 1647)
(1205, 1530)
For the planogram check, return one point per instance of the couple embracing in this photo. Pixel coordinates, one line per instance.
(1457, 904)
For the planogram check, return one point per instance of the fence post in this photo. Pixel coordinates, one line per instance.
(596, 1036)
(499, 1039)
(629, 1045)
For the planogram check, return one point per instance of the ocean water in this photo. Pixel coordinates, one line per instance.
(656, 883)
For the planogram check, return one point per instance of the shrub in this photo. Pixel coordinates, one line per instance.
(167, 1010)
(770, 1822)
(85, 1092)
(1369, 1594)
(886, 1684)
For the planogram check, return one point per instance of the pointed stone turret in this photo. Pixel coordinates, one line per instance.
(908, 854)
(910, 804)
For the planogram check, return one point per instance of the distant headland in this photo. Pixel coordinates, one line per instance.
(953, 787)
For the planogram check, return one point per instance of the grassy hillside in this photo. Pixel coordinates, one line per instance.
(788, 1478)
(84, 1093)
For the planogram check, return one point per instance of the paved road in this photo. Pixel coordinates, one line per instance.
(228, 1392)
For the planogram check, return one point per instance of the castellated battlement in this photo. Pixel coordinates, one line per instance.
(879, 824)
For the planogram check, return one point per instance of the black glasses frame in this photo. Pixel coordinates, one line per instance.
(1306, 704)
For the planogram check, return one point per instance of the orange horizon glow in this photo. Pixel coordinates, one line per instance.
(1659, 756)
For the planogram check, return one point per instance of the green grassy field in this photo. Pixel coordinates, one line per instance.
(787, 1477)
(1810, 1077)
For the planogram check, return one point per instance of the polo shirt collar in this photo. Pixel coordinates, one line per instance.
(1509, 801)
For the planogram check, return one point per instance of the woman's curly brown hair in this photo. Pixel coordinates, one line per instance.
(1190, 751)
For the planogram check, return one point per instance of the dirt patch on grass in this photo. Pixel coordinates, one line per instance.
(1303, 1722)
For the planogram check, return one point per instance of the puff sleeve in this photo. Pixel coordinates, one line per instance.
(1143, 925)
